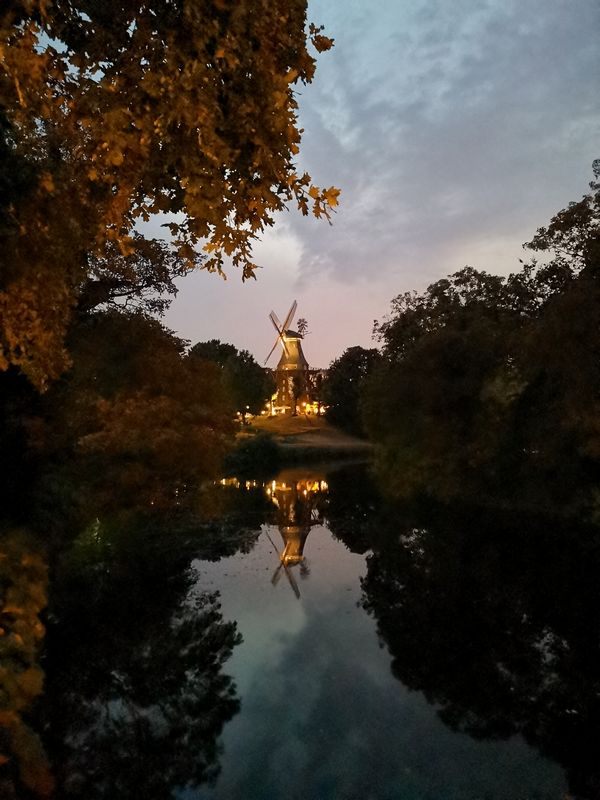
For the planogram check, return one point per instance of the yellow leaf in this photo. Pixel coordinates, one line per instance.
(31, 681)
(331, 196)
(46, 182)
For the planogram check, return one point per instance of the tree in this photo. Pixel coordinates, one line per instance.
(246, 383)
(134, 413)
(442, 403)
(574, 233)
(316, 391)
(423, 402)
(112, 114)
(457, 297)
(491, 384)
(214, 350)
(302, 326)
(23, 582)
(141, 279)
(342, 388)
(297, 387)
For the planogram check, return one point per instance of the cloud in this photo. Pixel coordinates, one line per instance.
(325, 718)
(448, 127)
(454, 130)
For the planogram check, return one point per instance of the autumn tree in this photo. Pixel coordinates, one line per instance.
(110, 114)
(134, 414)
(143, 278)
(23, 580)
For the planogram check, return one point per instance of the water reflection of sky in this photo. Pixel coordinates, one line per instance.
(322, 716)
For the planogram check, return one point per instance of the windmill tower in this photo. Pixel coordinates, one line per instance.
(292, 371)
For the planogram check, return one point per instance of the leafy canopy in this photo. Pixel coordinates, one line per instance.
(134, 412)
(246, 384)
(111, 113)
(492, 383)
(344, 384)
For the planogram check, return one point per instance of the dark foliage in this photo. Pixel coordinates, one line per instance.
(343, 386)
(491, 384)
(494, 617)
(248, 385)
(259, 456)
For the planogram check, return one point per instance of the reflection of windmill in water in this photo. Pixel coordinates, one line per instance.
(291, 373)
(297, 514)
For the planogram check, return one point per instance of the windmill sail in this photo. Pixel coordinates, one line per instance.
(281, 329)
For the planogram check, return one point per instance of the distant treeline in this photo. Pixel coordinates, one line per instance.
(486, 384)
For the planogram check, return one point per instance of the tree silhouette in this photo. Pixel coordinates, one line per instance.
(467, 604)
(302, 326)
(135, 689)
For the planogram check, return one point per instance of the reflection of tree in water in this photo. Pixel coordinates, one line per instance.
(23, 763)
(497, 620)
(136, 696)
(152, 722)
(350, 506)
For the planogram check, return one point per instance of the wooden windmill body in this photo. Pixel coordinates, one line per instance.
(292, 371)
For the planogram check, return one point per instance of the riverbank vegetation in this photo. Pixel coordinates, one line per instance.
(490, 385)
(248, 384)
(342, 389)
(483, 385)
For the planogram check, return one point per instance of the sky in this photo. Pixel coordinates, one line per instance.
(454, 131)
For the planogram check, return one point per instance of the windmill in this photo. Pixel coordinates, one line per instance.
(283, 565)
(291, 372)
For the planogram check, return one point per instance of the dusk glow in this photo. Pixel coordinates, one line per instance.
(454, 131)
(320, 518)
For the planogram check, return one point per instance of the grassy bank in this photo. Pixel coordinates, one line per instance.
(270, 444)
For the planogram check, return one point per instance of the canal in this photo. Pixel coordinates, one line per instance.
(310, 640)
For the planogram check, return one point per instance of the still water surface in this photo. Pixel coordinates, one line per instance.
(321, 714)
(312, 641)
